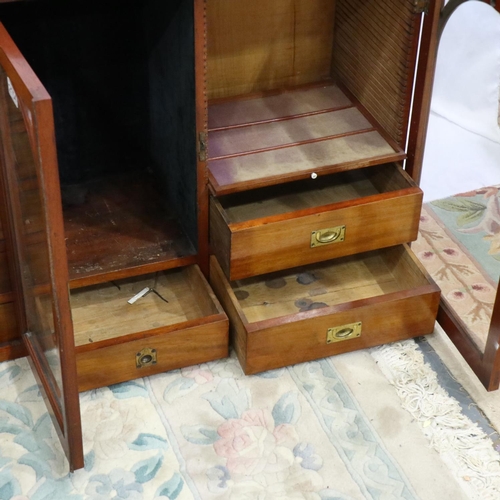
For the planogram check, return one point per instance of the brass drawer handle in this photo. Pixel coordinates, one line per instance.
(344, 332)
(146, 357)
(327, 236)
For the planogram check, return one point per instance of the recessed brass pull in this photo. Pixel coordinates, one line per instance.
(327, 236)
(146, 357)
(344, 332)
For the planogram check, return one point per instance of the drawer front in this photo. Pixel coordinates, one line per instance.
(263, 246)
(387, 321)
(156, 354)
(350, 324)
(182, 323)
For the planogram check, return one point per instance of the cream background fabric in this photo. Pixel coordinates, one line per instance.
(463, 141)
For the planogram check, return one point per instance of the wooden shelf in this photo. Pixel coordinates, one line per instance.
(268, 140)
(118, 227)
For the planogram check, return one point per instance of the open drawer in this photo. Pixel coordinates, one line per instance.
(324, 309)
(258, 232)
(178, 324)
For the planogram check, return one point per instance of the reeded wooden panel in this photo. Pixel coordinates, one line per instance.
(262, 45)
(374, 57)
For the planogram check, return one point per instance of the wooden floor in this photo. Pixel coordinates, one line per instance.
(278, 138)
(119, 227)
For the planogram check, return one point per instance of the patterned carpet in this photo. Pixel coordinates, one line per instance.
(459, 244)
(370, 424)
(327, 430)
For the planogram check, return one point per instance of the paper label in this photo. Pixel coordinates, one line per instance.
(12, 92)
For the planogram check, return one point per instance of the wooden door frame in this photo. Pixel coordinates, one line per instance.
(486, 365)
(30, 90)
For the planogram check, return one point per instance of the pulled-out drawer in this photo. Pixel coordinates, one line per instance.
(179, 324)
(329, 308)
(258, 232)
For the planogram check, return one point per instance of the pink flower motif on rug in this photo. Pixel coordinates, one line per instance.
(252, 444)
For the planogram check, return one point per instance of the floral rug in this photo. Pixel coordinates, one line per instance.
(370, 424)
(459, 244)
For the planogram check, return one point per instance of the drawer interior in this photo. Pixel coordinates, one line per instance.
(109, 69)
(328, 284)
(296, 197)
(102, 312)
(297, 87)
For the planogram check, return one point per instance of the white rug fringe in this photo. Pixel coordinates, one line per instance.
(464, 447)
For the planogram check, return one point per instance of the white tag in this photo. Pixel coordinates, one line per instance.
(12, 92)
(136, 297)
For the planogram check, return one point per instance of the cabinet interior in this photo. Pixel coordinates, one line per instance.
(296, 87)
(124, 124)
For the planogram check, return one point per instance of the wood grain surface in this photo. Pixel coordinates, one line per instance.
(256, 234)
(261, 45)
(283, 318)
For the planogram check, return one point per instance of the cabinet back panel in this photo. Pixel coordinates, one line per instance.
(121, 77)
(263, 45)
(92, 62)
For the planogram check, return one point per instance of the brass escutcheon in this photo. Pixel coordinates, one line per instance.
(146, 357)
(344, 332)
(327, 236)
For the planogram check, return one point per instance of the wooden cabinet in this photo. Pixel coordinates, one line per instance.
(103, 194)
(137, 127)
(308, 107)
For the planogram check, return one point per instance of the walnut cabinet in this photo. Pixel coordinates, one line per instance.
(148, 148)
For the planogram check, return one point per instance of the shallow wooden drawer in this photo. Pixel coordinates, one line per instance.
(117, 341)
(329, 308)
(271, 229)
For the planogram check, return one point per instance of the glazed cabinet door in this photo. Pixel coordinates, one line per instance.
(30, 174)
